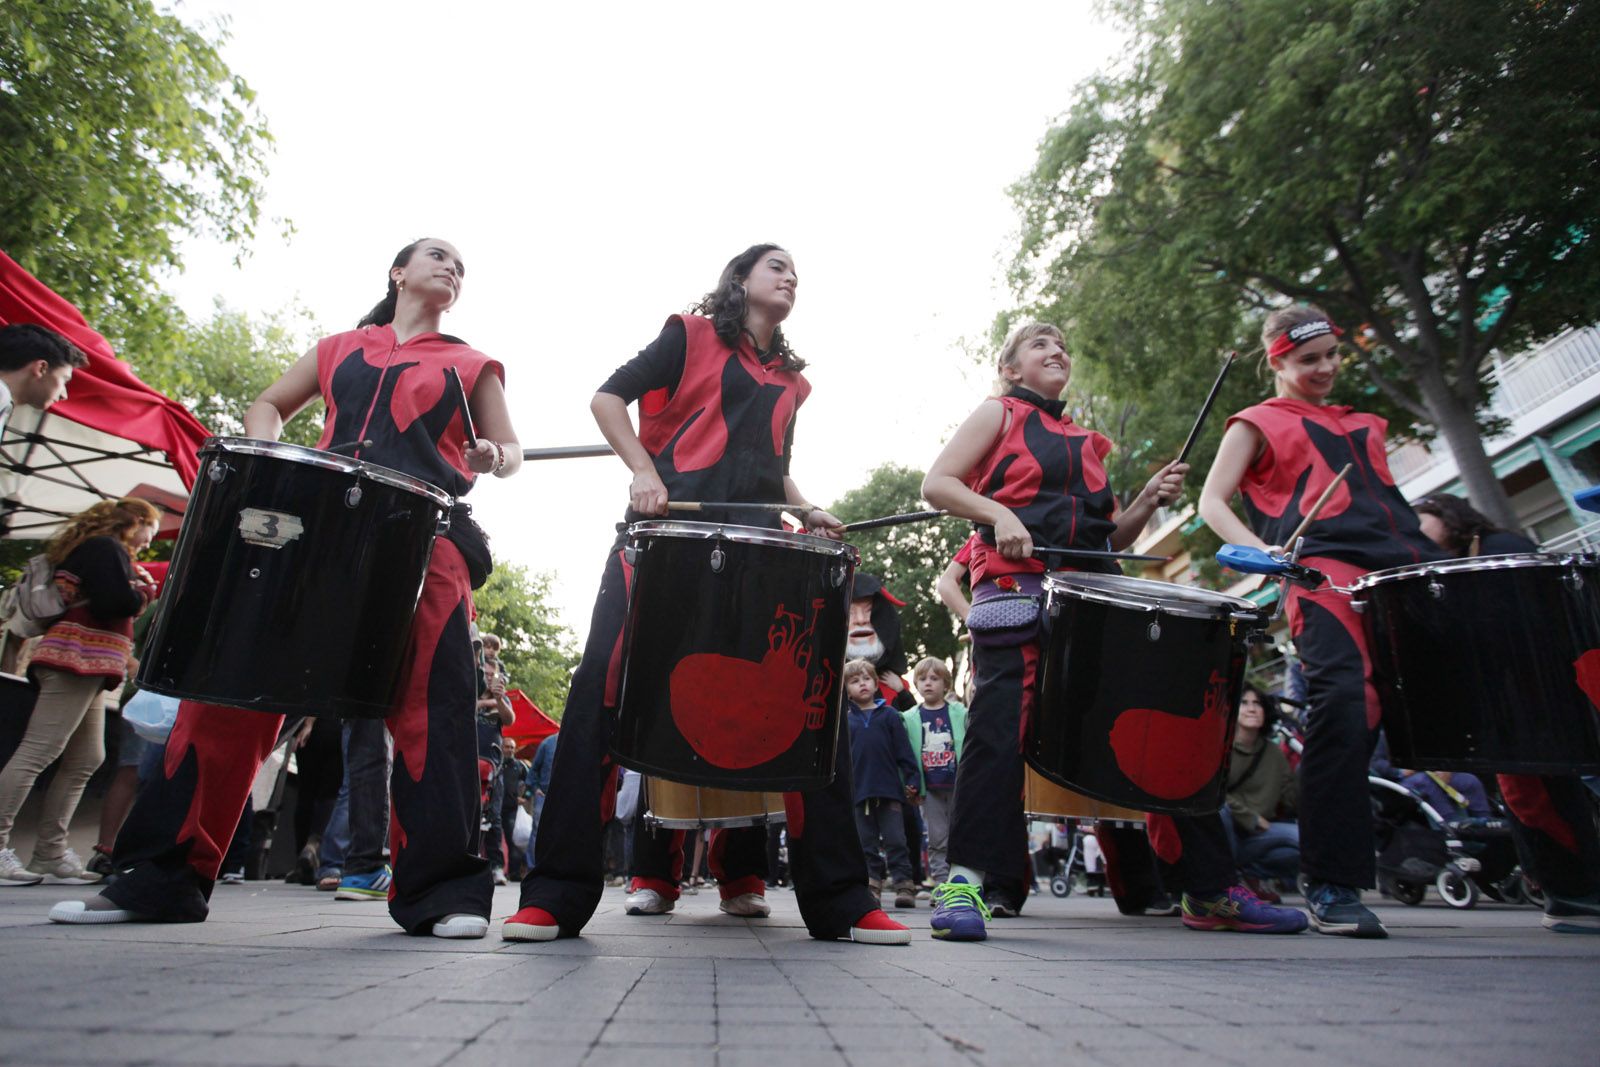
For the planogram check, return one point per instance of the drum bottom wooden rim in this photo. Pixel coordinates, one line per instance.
(328, 708)
(720, 780)
(1150, 805)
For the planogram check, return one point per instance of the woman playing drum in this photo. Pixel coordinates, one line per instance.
(1022, 471)
(384, 385)
(1551, 816)
(717, 396)
(1280, 455)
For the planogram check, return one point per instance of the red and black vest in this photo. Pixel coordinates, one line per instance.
(394, 395)
(1051, 473)
(1366, 522)
(720, 433)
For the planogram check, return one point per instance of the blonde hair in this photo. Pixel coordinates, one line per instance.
(933, 665)
(109, 518)
(857, 667)
(1009, 351)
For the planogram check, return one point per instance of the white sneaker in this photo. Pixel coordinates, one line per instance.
(232, 878)
(67, 870)
(748, 906)
(96, 911)
(647, 902)
(12, 872)
(500, 877)
(461, 926)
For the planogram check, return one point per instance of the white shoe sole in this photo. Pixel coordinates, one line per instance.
(462, 928)
(880, 937)
(77, 913)
(743, 913)
(11, 883)
(528, 932)
(83, 879)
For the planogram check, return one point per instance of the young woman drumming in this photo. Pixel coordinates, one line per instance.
(382, 382)
(1280, 455)
(1026, 475)
(717, 394)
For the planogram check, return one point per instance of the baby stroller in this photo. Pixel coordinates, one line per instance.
(1462, 857)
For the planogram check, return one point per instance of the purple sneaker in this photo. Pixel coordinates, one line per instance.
(1241, 910)
(958, 911)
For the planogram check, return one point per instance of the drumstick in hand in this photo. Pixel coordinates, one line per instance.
(1312, 514)
(1205, 409)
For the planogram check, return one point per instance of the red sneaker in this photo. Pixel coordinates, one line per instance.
(876, 928)
(530, 924)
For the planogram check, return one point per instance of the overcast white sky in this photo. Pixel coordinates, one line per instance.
(597, 164)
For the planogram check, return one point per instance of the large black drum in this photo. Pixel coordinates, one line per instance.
(294, 581)
(1488, 664)
(732, 655)
(1139, 691)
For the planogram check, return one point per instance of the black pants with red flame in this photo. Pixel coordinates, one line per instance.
(738, 859)
(172, 843)
(988, 830)
(825, 858)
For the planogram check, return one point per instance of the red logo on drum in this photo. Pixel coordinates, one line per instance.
(736, 713)
(1586, 668)
(1171, 756)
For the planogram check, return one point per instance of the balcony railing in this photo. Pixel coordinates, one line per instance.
(1517, 386)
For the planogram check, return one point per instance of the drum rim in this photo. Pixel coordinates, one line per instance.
(1193, 603)
(316, 457)
(686, 530)
(1467, 564)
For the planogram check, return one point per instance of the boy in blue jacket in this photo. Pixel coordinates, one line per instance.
(935, 730)
(886, 775)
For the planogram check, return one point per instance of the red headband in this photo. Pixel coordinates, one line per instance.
(1299, 334)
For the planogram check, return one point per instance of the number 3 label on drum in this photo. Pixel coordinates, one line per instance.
(270, 529)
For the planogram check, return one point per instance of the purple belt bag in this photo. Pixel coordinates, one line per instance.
(1002, 617)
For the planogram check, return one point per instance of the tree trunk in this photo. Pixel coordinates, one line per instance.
(1458, 426)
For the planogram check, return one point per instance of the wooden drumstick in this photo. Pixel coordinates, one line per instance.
(712, 505)
(1300, 530)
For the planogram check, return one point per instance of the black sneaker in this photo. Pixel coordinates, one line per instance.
(1337, 909)
(1572, 915)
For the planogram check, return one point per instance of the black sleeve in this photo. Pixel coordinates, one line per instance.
(105, 577)
(658, 366)
(788, 443)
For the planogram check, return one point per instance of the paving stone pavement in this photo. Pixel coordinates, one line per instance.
(284, 975)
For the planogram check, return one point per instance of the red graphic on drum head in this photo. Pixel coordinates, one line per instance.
(1170, 756)
(736, 713)
(1587, 669)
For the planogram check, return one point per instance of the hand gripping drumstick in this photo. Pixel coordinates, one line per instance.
(1317, 507)
(1205, 409)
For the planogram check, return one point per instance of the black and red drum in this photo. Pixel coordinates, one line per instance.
(1139, 691)
(294, 582)
(732, 655)
(1488, 664)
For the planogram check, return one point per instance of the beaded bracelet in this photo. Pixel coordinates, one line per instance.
(499, 457)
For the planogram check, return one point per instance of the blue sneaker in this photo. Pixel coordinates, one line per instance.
(1337, 909)
(958, 911)
(1241, 910)
(371, 886)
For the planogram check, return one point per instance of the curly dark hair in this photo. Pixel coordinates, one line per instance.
(1462, 522)
(725, 306)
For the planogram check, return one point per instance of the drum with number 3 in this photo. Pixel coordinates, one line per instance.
(293, 583)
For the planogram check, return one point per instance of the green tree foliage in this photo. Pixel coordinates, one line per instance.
(121, 130)
(218, 367)
(1423, 169)
(538, 650)
(908, 558)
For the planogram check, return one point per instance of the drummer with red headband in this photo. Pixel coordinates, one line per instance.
(1028, 476)
(384, 385)
(717, 394)
(1280, 455)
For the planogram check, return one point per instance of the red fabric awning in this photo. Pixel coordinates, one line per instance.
(532, 725)
(111, 433)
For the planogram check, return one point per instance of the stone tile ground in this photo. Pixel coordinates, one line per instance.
(284, 975)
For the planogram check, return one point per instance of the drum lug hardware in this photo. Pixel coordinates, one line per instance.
(1436, 588)
(352, 496)
(218, 471)
(717, 559)
(1572, 580)
(1153, 631)
(838, 575)
(255, 572)
(630, 555)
